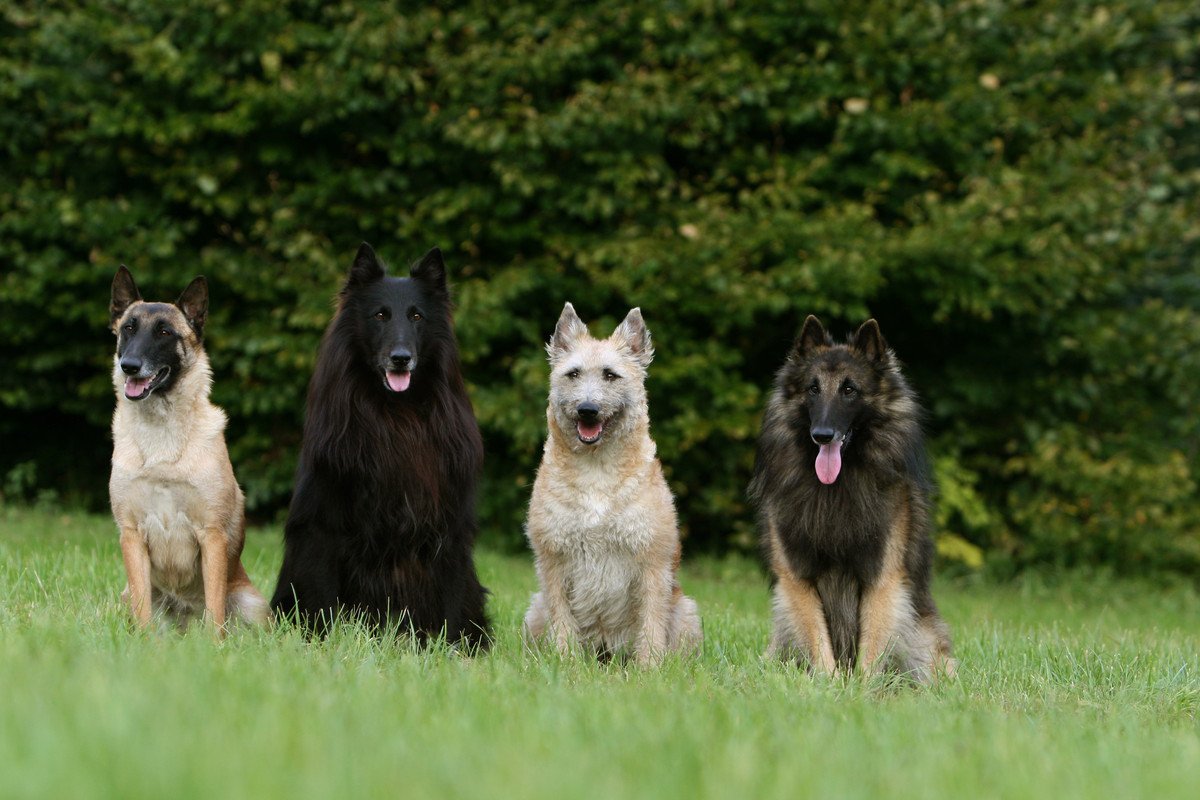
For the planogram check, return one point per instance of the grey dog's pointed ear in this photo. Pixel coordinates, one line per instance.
(124, 294)
(194, 304)
(812, 336)
(869, 341)
(366, 268)
(569, 329)
(633, 333)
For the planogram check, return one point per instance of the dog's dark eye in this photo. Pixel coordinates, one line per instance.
(383, 315)
(609, 375)
(848, 390)
(164, 332)
(814, 390)
(415, 316)
(573, 374)
(127, 327)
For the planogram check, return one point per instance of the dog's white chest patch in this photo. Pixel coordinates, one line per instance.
(169, 523)
(602, 590)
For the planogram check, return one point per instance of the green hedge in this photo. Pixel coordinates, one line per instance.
(1010, 188)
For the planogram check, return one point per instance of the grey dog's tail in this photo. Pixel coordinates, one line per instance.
(839, 596)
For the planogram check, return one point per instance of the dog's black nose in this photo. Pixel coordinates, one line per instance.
(401, 360)
(131, 366)
(822, 435)
(588, 411)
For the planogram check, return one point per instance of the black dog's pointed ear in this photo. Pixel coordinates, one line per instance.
(124, 294)
(812, 336)
(869, 341)
(569, 328)
(431, 270)
(367, 268)
(194, 304)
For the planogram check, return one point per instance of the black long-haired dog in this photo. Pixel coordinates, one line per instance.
(382, 521)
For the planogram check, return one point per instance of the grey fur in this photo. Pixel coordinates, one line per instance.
(861, 544)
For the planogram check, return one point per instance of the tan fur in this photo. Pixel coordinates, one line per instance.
(852, 560)
(176, 501)
(602, 521)
(885, 605)
(799, 627)
(892, 636)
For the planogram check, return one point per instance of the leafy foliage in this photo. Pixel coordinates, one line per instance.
(1011, 189)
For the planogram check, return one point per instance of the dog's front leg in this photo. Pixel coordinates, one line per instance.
(883, 606)
(136, 554)
(885, 603)
(655, 621)
(214, 564)
(799, 613)
(800, 605)
(563, 628)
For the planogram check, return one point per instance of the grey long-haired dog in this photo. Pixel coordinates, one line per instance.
(842, 487)
(602, 521)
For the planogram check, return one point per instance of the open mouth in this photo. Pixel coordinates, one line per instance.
(589, 432)
(829, 459)
(396, 381)
(138, 388)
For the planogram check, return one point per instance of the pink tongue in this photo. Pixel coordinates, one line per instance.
(589, 431)
(136, 387)
(398, 381)
(829, 462)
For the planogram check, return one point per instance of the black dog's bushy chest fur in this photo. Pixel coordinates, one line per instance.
(382, 522)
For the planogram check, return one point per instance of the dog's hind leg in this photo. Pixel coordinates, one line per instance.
(686, 634)
(243, 601)
(474, 630)
(932, 652)
(536, 619)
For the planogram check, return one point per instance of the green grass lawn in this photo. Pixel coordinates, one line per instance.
(1068, 687)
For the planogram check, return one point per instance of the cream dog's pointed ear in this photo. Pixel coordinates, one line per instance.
(633, 333)
(570, 328)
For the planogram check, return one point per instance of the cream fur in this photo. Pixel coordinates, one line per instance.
(602, 521)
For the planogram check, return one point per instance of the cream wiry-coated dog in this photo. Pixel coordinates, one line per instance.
(602, 521)
(174, 497)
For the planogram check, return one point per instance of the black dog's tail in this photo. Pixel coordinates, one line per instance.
(839, 596)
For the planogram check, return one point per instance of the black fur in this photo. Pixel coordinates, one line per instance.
(834, 535)
(382, 522)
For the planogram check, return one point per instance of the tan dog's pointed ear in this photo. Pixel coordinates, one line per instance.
(194, 304)
(124, 294)
(569, 329)
(633, 333)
